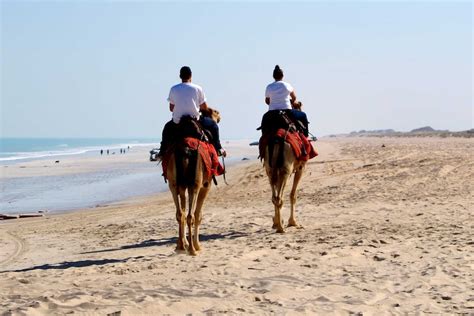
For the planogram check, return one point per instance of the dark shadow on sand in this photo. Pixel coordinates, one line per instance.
(170, 241)
(72, 264)
(146, 243)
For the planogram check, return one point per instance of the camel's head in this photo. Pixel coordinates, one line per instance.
(212, 113)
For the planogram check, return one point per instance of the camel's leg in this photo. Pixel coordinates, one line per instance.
(277, 218)
(274, 200)
(278, 201)
(180, 218)
(269, 171)
(192, 196)
(198, 214)
(296, 180)
(182, 197)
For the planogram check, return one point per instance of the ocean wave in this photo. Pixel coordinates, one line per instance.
(14, 156)
(37, 155)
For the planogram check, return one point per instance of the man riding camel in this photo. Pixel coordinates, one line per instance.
(188, 99)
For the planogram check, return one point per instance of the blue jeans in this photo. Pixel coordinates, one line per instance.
(301, 117)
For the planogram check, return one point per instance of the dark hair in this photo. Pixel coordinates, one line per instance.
(277, 73)
(185, 73)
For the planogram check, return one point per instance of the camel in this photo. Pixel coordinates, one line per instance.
(280, 162)
(186, 173)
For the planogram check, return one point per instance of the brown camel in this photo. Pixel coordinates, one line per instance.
(280, 162)
(186, 172)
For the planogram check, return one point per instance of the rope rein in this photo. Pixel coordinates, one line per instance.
(225, 171)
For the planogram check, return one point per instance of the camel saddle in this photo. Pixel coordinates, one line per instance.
(207, 152)
(302, 148)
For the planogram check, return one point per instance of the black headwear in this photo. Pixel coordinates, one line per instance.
(277, 73)
(185, 73)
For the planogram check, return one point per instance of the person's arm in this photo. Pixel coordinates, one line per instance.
(202, 100)
(215, 136)
(267, 96)
(203, 106)
(292, 97)
(220, 151)
(171, 100)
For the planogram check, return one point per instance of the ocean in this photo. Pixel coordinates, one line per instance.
(14, 149)
(132, 176)
(70, 191)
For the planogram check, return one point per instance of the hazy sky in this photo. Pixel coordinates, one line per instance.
(104, 68)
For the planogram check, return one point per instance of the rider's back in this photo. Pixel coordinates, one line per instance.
(279, 94)
(186, 97)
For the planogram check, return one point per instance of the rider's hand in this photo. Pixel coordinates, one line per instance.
(222, 153)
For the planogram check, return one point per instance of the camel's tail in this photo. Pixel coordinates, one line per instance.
(275, 155)
(186, 164)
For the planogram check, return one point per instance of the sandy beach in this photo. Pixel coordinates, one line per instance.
(386, 228)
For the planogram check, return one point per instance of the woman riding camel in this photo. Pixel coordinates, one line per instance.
(280, 96)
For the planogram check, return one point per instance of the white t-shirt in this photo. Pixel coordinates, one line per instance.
(186, 97)
(279, 94)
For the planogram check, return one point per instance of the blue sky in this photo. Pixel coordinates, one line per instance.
(104, 68)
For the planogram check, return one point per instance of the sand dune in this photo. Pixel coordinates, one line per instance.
(385, 230)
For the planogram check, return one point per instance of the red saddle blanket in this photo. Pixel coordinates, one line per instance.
(206, 151)
(300, 144)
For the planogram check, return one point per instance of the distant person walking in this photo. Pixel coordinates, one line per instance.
(101, 152)
(107, 151)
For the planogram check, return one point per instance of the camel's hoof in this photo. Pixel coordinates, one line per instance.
(292, 224)
(275, 224)
(197, 247)
(280, 230)
(192, 252)
(180, 250)
(180, 245)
